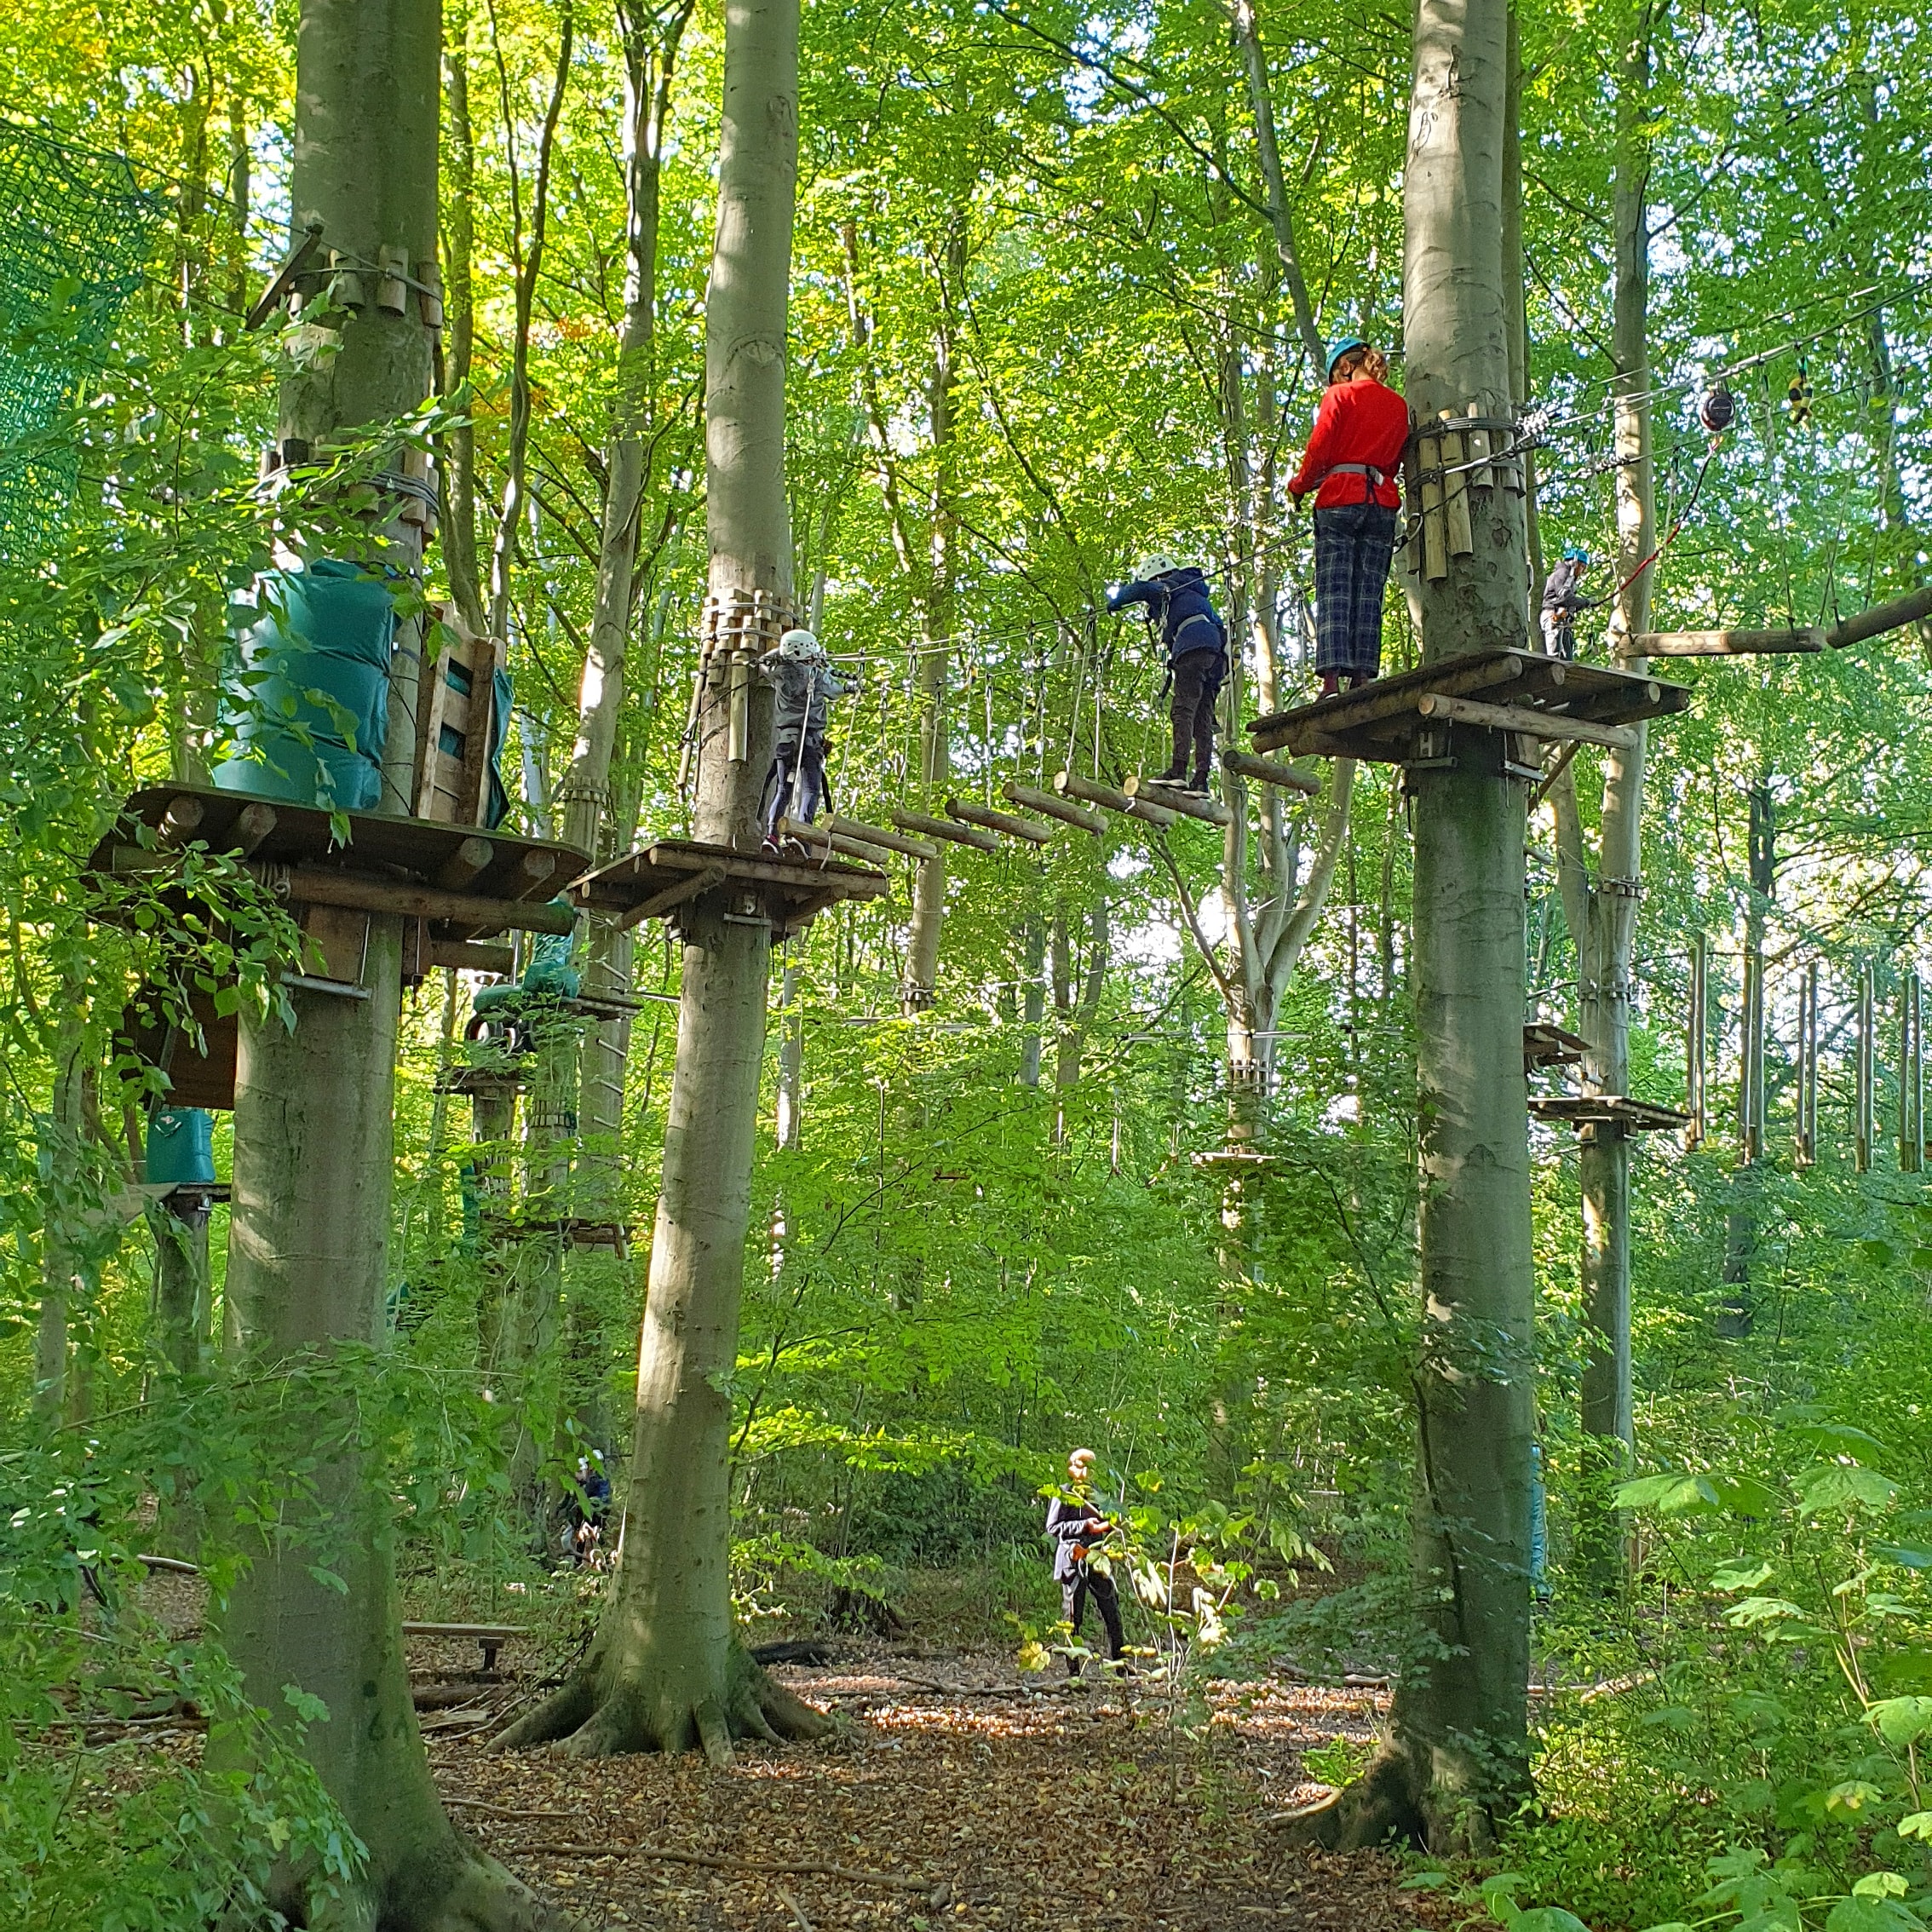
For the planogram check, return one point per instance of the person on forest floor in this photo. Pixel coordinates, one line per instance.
(1354, 452)
(1196, 643)
(1078, 1529)
(1562, 598)
(802, 674)
(586, 1503)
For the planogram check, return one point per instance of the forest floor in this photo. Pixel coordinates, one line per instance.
(956, 1793)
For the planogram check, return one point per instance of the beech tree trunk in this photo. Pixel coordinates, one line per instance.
(308, 1228)
(665, 1671)
(1456, 1758)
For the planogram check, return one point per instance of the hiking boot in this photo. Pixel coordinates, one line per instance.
(1197, 786)
(1172, 776)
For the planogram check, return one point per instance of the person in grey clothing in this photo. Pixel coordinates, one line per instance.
(1078, 1528)
(802, 674)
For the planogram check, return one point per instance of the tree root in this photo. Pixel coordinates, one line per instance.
(1416, 1800)
(602, 1712)
(455, 1887)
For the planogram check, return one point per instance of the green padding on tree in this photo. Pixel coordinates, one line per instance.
(330, 629)
(181, 1145)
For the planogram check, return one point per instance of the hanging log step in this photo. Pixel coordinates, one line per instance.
(822, 835)
(1070, 785)
(1147, 791)
(992, 821)
(1725, 643)
(1054, 807)
(973, 835)
(1268, 771)
(1914, 607)
(879, 836)
(1524, 719)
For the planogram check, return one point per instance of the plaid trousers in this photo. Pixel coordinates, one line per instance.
(1354, 544)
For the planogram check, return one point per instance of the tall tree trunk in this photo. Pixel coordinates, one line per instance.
(1737, 1310)
(457, 518)
(308, 1232)
(1602, 909)
(665, 1671)
(60, 1260)
(1455, 1760)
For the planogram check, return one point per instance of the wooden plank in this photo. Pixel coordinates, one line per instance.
(1456, 494)
(314, 885)
(465, 956)
(1146, 790)
(689, 887)
(1913, 607)
(1524, 720)
(1068, 814)
(991, 821)
(1725, 643)
(429, 737)
(1388, 697)
(974, 835)
(1436, 537)
(1266, 771)
(829, 841)
(1071, 785)
(878, 836)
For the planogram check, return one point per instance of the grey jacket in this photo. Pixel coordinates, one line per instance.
(804, 694)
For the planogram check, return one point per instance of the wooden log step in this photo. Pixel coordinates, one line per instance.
(1146, 791)
(1070, 785)
(832, 841)
(994, 821)
(878, 836)
(1525, 722)
(974, 835)
(1268, 771)
(1912, 608)
(1725, 643)
(671, 896)
(1068, 814)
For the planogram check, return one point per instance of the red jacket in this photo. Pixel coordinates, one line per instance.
(1358, 422)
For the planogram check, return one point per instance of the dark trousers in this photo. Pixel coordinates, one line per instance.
(1074, 1591)
(1197, 684)
(1354, 544)
(797, 769)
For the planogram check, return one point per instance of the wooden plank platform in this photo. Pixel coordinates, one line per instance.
(793, 891)
(1591, 1110)
(1548, 1045)
(1381, 721)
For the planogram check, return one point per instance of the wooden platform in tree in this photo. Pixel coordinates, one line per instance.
(1593, 1110)
(1522, 693)
(200, 1073)
(1250, 1159)
(655, 882)
(459, 883)
(1548, 1045)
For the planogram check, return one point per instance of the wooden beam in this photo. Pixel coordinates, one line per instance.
(537, 867)
(1267, 771)
(880, 839)
(253, 824)
(1724, 643)
(180, 822)
(1052, 808)
(661, 902)
(314, 885)
(1146, 791)
(973, 835)
(1525, 722)
(1912, 608)
(1070, 785)
(470, 958)
(469, 859)
(1367, 705)
(1000, 821)
(831, 840)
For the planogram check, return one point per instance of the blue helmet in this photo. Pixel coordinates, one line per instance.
(1575, 553)
(1337, 350)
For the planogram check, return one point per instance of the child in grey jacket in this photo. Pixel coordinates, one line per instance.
(801, 674)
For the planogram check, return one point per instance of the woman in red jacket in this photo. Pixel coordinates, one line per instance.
(1361, 431)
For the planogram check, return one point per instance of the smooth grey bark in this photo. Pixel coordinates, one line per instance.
(1033, 996)
(1455, 1761)
(309, 1221)
(665, 1671)
(182, 1312)
(457, 511)
(1601, 907)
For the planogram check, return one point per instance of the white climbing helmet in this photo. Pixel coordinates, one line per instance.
(1159, 565)
(801, 648)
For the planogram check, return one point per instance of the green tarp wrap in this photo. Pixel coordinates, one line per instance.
(181, 1145)
(326, 629)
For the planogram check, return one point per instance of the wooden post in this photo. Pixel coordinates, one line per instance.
(1912, 1078)
(1865, 1123)
(1456, 494)
(1696, 1036)
(1435, 541)
(1751, 1071)
(1805, 1135)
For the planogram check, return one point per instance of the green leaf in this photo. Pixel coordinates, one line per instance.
(1549, 1918)
(1900, 1720)
(1843, 1486)
(1755, 1610)
(1728, 1578)
(1675, 1494)
(1848, 1799)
